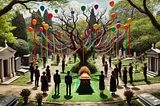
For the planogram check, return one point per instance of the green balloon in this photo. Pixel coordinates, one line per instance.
(40, 39)
(50, 28)
(56, 11)
(113, 28)
(83, 8)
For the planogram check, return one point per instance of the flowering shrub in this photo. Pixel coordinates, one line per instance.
(25, 92)
(84, 69)
(128, 93)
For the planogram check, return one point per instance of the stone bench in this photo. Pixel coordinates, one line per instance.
(8, 101)
(149, 99)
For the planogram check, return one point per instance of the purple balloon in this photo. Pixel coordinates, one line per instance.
(96, 6)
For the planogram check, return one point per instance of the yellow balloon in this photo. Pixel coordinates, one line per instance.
(82, 32)
(129, 20)
(85, 22)
(46, 26)
(95, 26)
(43, 23)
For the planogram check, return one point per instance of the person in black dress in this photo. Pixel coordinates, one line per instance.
(68, 81)
(31, 69)
(103, 59)
(37, 75)
(58, 59)
(57, 81)
(48, 74)
(110, 60)
(125, 76)
(116, 74)
(119, 67)
(63, 65)
(113, 87)
(131, 72)
(145, 72)
(101, 83)
(44, 60)
(44, 85)
(106, 68)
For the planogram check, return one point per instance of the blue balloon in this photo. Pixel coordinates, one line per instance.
(42, 8)
(56, 31)
(106, 27)
(118, 21)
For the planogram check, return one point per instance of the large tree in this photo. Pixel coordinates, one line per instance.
(145, 9)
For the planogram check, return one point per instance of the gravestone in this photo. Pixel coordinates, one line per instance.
(134, 54)
(37, 56)
(120, 52)
(8, 101)
(124, 53)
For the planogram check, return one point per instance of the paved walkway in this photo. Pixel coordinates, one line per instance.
(14, 90)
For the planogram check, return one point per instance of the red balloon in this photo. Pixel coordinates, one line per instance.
(118, 25)
(113, 15)
(102, 30)
(111, 3)
(41, 29)
(50, 15)
(59, 32)
(125, 26)
(30, 29)
(52, 30)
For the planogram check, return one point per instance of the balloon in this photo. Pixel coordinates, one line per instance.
(56, 31)
(118, 25)
(113, 15)
(89, 31)
(85, 22)
(96, 6)
(50, 28)
(111, 3)
(95, 26)
(106, 27)
(102, 30)
(59, 32)
(42, 8)
(45, 26)
(118, 21)
(41, 29)
(34, 21)
(83, 8)
(125, 26)
(50, 15)
(129, 20)
(82, 33)
(56, 11)
(113, 28)
(30, 29)
(43, 23)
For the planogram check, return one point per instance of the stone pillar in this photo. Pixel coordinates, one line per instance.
(149, 64)
(124, 53)
(9, 68)
(157, 66)
(13, 67)
(2, 71)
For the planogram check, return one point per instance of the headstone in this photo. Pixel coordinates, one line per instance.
(134, 54)
(120, 52)
(8, 101)
(37, 56)
(124, 53)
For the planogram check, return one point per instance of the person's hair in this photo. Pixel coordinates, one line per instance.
(44, 73)
(115, 65)
(68, 72)
(112, 72)
(48, 66)
(57, 70)
(36, 66)
(130, 63)
(101, 72)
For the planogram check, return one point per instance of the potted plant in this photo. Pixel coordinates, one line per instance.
(39, 97)
(25, 93)
(128, 94)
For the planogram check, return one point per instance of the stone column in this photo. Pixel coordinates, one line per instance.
(10, 68)
(13, 67)
(157, 66)
(148, 63)
(2, 71)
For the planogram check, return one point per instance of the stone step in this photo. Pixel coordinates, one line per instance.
(152, 74)
(10, 80)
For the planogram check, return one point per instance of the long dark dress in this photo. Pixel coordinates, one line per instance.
(113, 84)
(48, 74)
(125, 76)
(101, 82)
(44, 86)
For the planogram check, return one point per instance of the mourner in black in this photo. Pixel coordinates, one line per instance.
(119, 67)
(37, 75)
(103, 59)
(101, 83)
(31, 69)
(63, 65)
(125, 76)
(44, 85)
(57, 81)
(145, 72)
(44, 60)
(58, 59)
(106, 68)
(68, 81)
(116, 74)
(110, 61)
(113, 86)
(130, 73)
(48, 74)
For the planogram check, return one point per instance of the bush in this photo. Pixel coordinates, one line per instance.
(128, 94)
(39, 96)
(25, 92)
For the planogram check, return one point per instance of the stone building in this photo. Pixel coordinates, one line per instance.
(7, 65)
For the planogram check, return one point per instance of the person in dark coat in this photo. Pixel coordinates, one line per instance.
(125, 76)
(37, 75)
(31, 69)
(63, 65)
(116, 74)
(131, 72)
(57, 81)
(119, 67)
(68, 81)
(145, 72)
(110, 60)
(44, 60)
(58, 59)
(113, 87)
(103, 59)
(44, 85)
(48, 74)
(101, 83)
(106, 67)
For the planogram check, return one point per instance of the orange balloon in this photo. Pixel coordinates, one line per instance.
(113, 15)
(46, 26)
(95, 26)
(111, 3)
(82, 32)
(85, 22)
(125, 26)
(30, 29)
(34, 21)
(129, 20)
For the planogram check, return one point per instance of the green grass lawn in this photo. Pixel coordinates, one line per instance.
(23, 79)
(133, 103)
